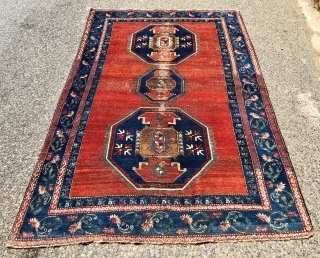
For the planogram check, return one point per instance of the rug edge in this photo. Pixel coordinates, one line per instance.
(275, 126)
(155, 241)
(53, 124)
(13, 243)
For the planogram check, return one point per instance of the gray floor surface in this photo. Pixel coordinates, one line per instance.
(38, 43)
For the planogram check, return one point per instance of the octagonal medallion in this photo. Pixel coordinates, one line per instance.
(160, 85)
(163, 43)
(159, 149)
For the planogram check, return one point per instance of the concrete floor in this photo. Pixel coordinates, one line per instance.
(38, 43)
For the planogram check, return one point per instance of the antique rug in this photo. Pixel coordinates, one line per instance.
(164, 133)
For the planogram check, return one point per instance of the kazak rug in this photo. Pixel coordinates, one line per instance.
(164, 133)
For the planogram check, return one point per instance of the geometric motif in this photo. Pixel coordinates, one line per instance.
(163, 43)
(152, 148)
(160, 85)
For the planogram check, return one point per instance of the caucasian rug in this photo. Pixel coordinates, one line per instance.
(164, 133)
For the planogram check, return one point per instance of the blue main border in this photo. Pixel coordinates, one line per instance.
(284, 216)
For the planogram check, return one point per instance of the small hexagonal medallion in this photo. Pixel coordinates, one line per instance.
(160, 85)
